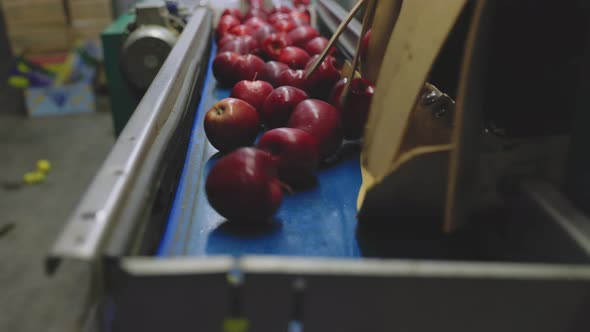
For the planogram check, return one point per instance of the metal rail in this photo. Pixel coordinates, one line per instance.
(139, 145)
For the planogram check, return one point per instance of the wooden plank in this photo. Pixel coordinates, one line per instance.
(411, 50)
(33, 12)
(386, 14)
(468, 130)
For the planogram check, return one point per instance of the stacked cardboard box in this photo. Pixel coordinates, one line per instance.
(89, 17)
(37, 26)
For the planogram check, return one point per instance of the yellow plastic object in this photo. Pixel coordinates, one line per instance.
(19, 82)
(235, 325)
(43, 166)
(34, 177)
(23, 68)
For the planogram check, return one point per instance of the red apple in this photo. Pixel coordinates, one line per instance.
(274, 44)
(255, 23)
(231, 123)
(271, 71)
(235, 12)
(239, 44)
(230, 68)
(298, 3)
(241, 30)
(225, 39)
(295, 151)
(294, 57)
(277, 17)
(303, 34)
(248, 66)
(256, 12)
(296, 78)
(256, 4)
(252, 92)
(365, 45)
(236, 46)
(226, 23)
(317, 45)
(224, 68)
(281, 9)
(324, 78)
(322, 121)
(355, 110)
(263, 32)
(279, 105)
(242, 187)
(285, 25)
(300, 17)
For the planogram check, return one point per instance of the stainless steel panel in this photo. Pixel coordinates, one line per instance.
(155, 116)
(184, 294)
(397, 295)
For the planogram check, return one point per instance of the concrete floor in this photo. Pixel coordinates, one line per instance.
(76, 146)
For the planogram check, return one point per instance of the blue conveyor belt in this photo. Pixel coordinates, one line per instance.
(317, 222)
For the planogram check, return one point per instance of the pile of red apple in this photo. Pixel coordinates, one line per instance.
(262, 56)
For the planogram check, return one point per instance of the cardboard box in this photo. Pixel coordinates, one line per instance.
(34, 11)
(89, 29)
(76, 96)
(67, 99)
(39, 38)
(90, 10)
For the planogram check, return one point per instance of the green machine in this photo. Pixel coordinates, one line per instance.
(135, 47)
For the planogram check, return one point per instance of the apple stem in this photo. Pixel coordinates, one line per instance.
(255, 75)
(286, 187)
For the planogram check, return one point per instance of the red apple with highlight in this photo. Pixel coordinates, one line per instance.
(271, 71)
(295, 151)
(355, 110)
(296, 78)
(302, 35)
(243, 187)
(322, 121)
(294, 57)
(252, 92)
(279, 105)
(274, 44)
(231, 123)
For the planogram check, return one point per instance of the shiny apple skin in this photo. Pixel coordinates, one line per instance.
(263, 32)
(226, 23)
(324, 78)
(224, 68)
(248, 66)
(300, 17)
(256, 23)
(355, 111)
(256, 12)
(277, 17)
(242, 187)
(237, 45)
(235, 12)
(296, 78)
(317, 45)
(303, 34)
(294, 57)
(252, 92)
(271, 71)
(279, 105)
(231, 123)
(274, 44)
(295, 151)
(285, 25)
(322, 121)
(241, 30)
